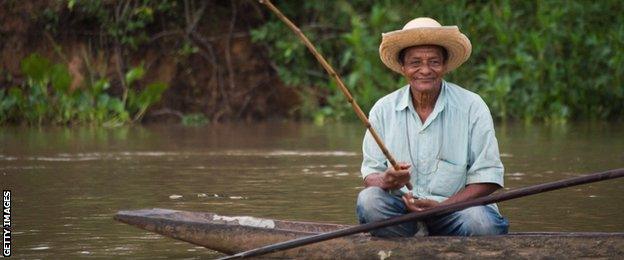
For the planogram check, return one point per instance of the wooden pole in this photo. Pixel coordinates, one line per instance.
(330, 70)
(440, 210)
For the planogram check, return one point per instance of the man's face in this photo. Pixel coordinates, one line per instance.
(424, 66)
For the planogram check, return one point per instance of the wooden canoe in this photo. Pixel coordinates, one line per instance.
(231, 235)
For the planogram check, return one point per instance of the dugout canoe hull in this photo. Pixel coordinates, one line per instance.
(231, 235)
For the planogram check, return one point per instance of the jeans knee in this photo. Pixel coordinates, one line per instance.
(482, 221)
(370, 196)
(368, 203)
(375, 204)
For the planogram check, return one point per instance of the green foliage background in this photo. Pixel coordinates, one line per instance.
(532, 60)
(46, 97)
(550, 61)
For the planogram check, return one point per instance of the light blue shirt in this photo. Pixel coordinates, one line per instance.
(454, 147)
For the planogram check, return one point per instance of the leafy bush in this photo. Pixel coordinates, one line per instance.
(531, 60)
(126, 22)
(195, 119)
(46, 97)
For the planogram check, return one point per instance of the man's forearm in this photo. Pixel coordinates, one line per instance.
(374, 179)
(472, 191)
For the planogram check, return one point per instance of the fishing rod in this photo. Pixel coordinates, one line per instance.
(330, 70)
(437, 211)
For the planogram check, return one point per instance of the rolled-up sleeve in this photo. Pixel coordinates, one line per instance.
(484, 161)
(373, 160)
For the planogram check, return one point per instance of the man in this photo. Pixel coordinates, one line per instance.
(443, 131)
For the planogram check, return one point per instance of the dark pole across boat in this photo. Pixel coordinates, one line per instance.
(414, 216)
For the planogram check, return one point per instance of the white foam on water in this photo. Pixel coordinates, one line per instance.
(7, 158)
(22, 168)
(124, 155)
(148, 153)
(175, 196)
(311, 153)
(62, 159)
(279, 153)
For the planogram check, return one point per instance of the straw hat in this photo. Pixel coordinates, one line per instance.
(425, 31)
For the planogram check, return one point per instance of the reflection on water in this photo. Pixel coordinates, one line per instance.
(126, 155)
(68, 183)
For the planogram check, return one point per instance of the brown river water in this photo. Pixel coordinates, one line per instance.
(67, 184)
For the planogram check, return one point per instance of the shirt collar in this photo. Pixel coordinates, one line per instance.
(405, 99)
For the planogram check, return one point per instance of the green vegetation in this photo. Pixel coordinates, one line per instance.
(532, 60)
(195, 119)
(47, 98)
(549, 61)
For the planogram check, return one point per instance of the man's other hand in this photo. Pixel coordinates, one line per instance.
(413, 204)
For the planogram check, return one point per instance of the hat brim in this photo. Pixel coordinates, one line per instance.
(456, 44)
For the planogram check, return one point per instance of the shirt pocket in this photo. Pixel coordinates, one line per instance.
(448, 179)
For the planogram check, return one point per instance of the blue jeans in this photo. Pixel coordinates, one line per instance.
(375, 204)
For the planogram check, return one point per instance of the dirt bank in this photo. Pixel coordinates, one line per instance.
(202, 49)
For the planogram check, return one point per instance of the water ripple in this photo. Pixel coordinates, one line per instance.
(126, 155)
